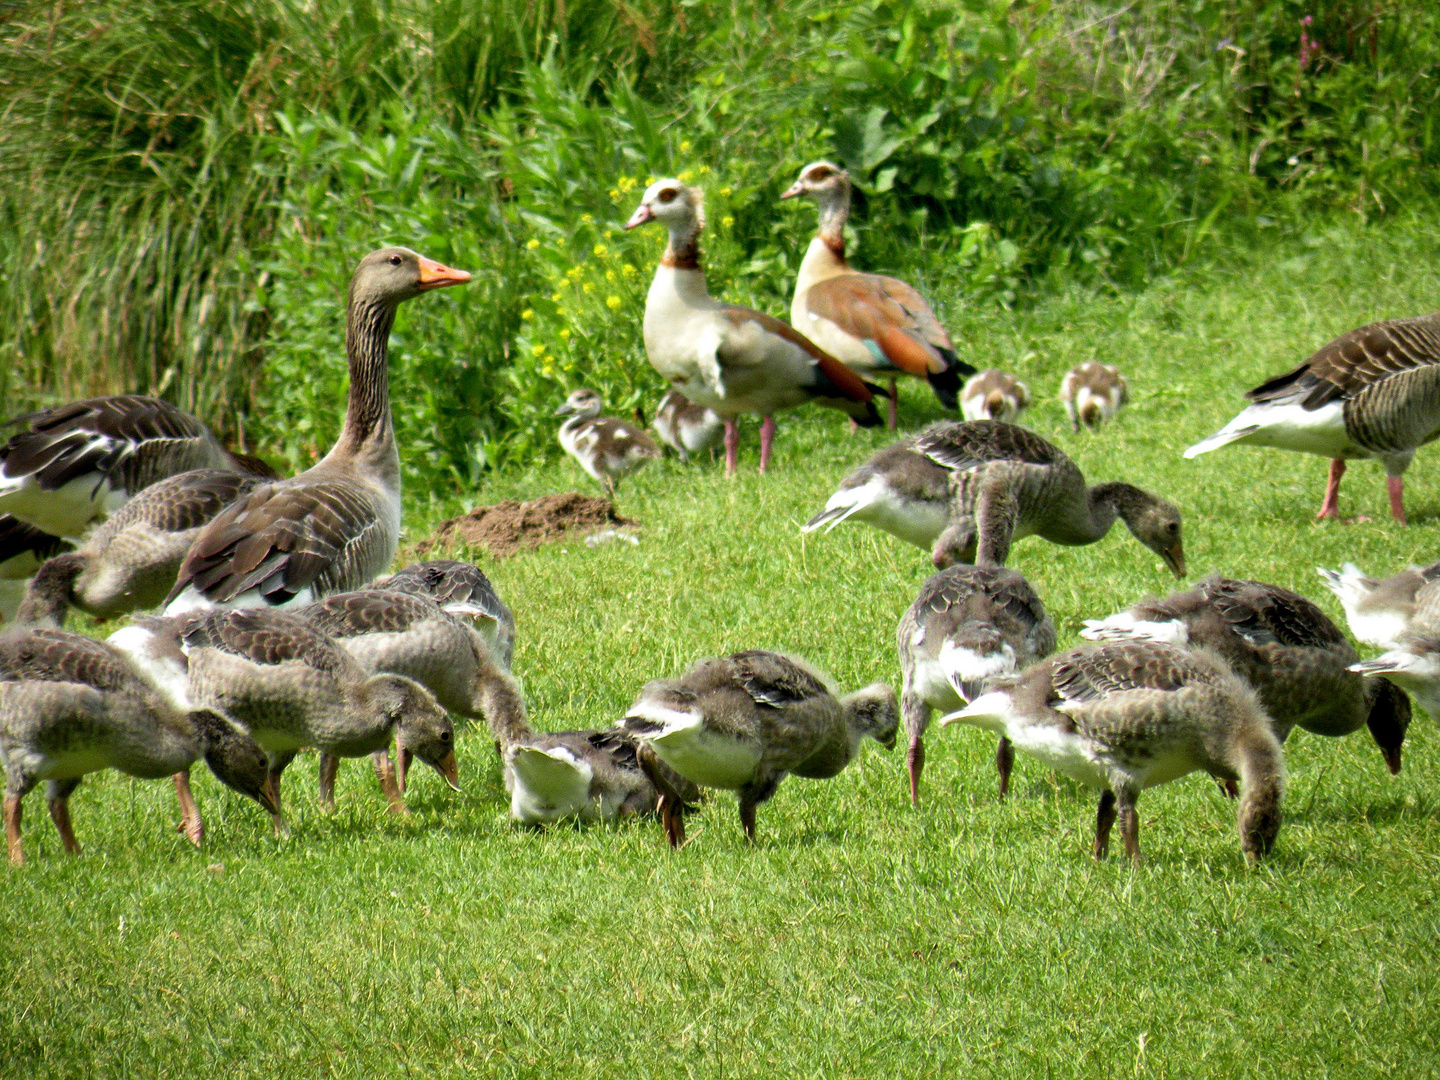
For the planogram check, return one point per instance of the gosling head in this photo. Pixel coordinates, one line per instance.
(873, 711)
(582, 403)
(422, 728)
(234, 758)
(1152, 521)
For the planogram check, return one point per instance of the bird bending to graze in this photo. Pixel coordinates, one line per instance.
(1284, 646)
(606, 448)
(731, 359)
(23, 550)
(1413, 662)
(746, 721)
(70, 705)
(969, 626)
(878, 325)
(1371, 393)
(994, 395)
(462, 589)
(685, 427)
(335, 526)
(1127, 716)
(1093, 393)
(968, 490)
(1378, 611)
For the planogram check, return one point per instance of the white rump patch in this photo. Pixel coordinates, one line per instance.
(169, 675)
(1123, 626)
(1286, 427)
(547, 785)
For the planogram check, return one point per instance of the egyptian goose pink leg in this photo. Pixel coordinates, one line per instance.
(1396, 487)
(732, 446)
(767, 436)
(1331, 506)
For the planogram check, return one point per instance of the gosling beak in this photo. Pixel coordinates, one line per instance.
(267, 798)
(403, 757)
(1175, 559)
(434, 275)
(642, 214)
(564, 410)
(794, 189)
(449, 768)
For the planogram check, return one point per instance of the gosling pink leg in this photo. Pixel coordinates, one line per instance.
(1396, 487)
(732, 446)
(767, 436)
(1330, 508)
(60, 815)
(190, 823)
(12, 829)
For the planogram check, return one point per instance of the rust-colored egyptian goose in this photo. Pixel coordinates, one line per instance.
(334, 527)
(731, 359)
(877, 325)
(462, 589)
(1093, 393)
(994, 395)
(1371, 393)
(23, 550)
(606, 448)
(685, 427)
(1378, 612)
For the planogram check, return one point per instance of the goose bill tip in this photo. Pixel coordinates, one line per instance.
(449, 768)
(792, 191)
(1175, 559)
(434, 275)
(642, 214)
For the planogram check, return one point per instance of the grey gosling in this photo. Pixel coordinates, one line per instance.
(685, 427)
(606, 448)
(1093, 393)
(1378, 612)
(462, 589)
(994, 395)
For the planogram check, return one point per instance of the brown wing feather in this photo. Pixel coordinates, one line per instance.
(48, 655)
(370, 611)
(772, 679)
(887, 314)
(849, 385)
(262, 636)
(1085, 675)
(973, 443)
(1357, 360)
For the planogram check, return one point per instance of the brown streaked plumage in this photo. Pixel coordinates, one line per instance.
(994, 395)
(1093, 393)
(606, 448)
(462, 589)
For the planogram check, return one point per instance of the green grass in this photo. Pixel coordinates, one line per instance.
(860, 937)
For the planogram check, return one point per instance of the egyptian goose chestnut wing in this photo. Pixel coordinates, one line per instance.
(888, 317)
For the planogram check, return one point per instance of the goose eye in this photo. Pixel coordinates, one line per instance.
(445, 736)
(668, 195)
(1172, 527)
(395, 260)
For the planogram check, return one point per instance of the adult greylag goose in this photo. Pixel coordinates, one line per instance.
(462, 589)
(1128, 716)
(1413, 662)
(1378, 611)
(1371, 393)
(1093, 393)
(746, 721)
(335, 526)
(994, 395)
(606, 448)
(685, 427)
(23, 550)
(70, 705)
(969, 626)
(730, 359)
(83, 460)
(877, 325)
(968, 490)
(1284, 646)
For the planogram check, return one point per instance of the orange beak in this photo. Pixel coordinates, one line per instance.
(449, 768)
(1175, 559)
(434, 275)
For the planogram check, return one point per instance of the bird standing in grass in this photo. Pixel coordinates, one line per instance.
(606, 448)
(1093, 393)
(994, 395)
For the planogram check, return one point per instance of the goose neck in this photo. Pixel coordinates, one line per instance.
(683, 250)
(834, 212)
(368, 434)
(504, 711)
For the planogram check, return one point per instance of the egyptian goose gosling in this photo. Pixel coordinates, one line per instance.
(969, 626)
(747, 720)
(1127, 716)
(1413, 662)
(994, 395)
(1280, 643)
(606, 448)
(70, 705)
(1368, 394)
(968, 490)
(462, 589)
(1378, 611)
(129, 561)
(334, 527)
(23, 550)
(76, 462)
(731, 359)
(685, 427)
(1093, 393)
(875, 324)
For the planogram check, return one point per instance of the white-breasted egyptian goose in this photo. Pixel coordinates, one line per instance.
(462, 589)
(1284, 646)
(1127, 716)
(877, 325)
(1378, 612)
(606, 448)
(968, 490)
(335, 526)
(23, 550)
(969, 626)
(994, 395)
(746, 721)
(731, 359)
(70, 705)
(1093, 393)
(685, 427)
(1371, 393)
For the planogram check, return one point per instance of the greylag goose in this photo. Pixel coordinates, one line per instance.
(1371, 393)
(1093, 393)
(1413, 662)
(968, 490)
(334, 527)
(23, 550)
(70, 705)
(83, 460)
(606, 448)
(877, 325)
(462, 589)
(745, 721)
(685, 427)
(969, 626)
(1284, 646)
(1378, 611)
(731, 359)
(1127, 716)
(994, 395)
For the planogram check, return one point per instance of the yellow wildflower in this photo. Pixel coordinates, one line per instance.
(532, 243)
(628, 270)
(687, 176)
(588, 287)
(548, 371)
(565, 334)
(685, 147)
(704, 170)
(626, 183)
(726, 192)
(587, 219)
(727, 221)
(613, 303)
(610, 276)
(538, 350)
(573, 273)
(599, 251)
(527, 314)
(615, 195)
(556, 297)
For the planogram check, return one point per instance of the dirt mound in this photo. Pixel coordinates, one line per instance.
(509, 527)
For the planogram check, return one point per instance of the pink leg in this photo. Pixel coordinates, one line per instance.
(191, 823)
(12, 828)
(1396, 486)
(1330, 508)
(732, 447)
(767, 436)
(894, 415)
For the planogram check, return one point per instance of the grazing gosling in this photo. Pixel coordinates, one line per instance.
(994, 395)
(1125, 717)
(685, 427)
(1093, 393)
(606, 448)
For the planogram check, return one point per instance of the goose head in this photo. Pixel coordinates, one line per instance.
(679, 208)
(393, 274)
(1152, 521)
(582, 403)
(821, 181)
(235, 759)
(873, 711)
(422, 728)
(1389, 719)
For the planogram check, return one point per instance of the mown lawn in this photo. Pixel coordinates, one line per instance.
(860, 937)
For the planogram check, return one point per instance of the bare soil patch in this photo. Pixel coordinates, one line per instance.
(509, 527)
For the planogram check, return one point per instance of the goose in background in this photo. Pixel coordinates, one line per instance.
(335, 526)
(1371, 393)
(23, 550)
(730, 359)
(1377, 611)
(1093, 393)
(1132, 715)
(462, 589)
(994, 395)
(606, 448)
(685, 427)
(877, 325)
(1413, 662)
(746, 721)
(969, 626)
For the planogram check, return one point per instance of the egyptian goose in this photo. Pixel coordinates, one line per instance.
(1371, 393)
(23, 550)
(969, 626)
(334, 527)
(875, 324)
(747, 720)
(968, 490)
(70, 705)
(1378, 611)
(1093, 393)
(606, 448)
(1127, 716)
(76, 462)
(994, 395)
(685, 427)
(1285, 647)
(731, 359)
(1413, 662)
(462, 589)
